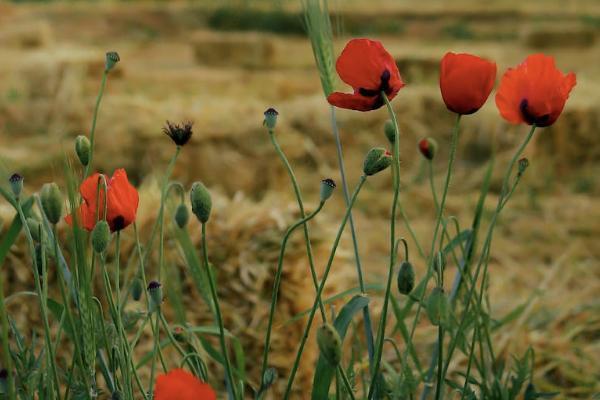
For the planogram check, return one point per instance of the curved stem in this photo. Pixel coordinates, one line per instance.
(276, 284)
(321, 287)
(396, 185)
(215, 298)
(361, 283)
(161, 211)
(94, 120)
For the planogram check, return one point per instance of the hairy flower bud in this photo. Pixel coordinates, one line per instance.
(269, 377)
(201, 202)
(406, 278)
(112, 58)
(137, 287)
(156, 295)
(376, 161)
(52, 202)
(327, 187)
(438, 308)
(270, 118)
(330, 344)
(428, 148)
(100, 236)
(390, 131)
(16, 184)
(182, 215)
(82, 149)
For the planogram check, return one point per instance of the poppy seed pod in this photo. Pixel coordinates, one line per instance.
(201, 202)
(428, 148)
(390, 131)
(377, 160)
(100, 236)
(112, 58)
(52, 202)
(270, 118)
(137, 288)
(438, 308)
(35, 229)
(269, 377)
(327, 187)
(156, 295)
(182, 216)
(406, 278)
(330, 344)
(523, 164)
(16, 184)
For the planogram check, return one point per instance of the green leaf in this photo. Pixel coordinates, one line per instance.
(324, 372)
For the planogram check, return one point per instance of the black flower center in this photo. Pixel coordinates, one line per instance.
(118, 223)
(530, 117)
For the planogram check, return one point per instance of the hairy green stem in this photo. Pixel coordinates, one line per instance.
(321, 287)
(219, 318)
(276, 284)
(94, 120)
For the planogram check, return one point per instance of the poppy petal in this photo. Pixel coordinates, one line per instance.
(352, 101)
(179, 384)
(123, 200)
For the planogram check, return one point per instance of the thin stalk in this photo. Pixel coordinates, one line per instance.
(388, 290)
(5, 346)
(487, 244)
(155, 347)
(432, 185)
(321, 287)
(94, 120)
(174, 342)
(215, 298)
(361, 283)
(161, 211)
(440, 212)
(276, 284)
(347, 384)
(42, 300)
(290, 172)
(440, 341)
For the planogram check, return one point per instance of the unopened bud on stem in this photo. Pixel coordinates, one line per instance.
(376, 161)
(52, 202)
(201, 201)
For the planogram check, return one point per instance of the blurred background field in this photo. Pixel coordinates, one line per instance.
(222, 63)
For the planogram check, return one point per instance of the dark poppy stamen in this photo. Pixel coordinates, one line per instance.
(154, 285)
(118, 223)
(531, 118)
(180, 134)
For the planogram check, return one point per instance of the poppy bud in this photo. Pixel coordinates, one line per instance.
(390, 131)
(136, 288)
(112, 58)
(377, 160)
(182, 216)
(35, 228)
(437, 307)
(269, 377)
(428, 148)
(327, 187)
(52, 202)
(523, 164)
(406, 278)
(180, 334)
(16, 184)
(156, 295)
(270, 118)
(330, 344)
(201, 202)
(82, 149)
(100, 236)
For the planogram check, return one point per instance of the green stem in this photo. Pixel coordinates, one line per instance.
(94, 120)
(276, 284)
(215, 298)
(388, 290)
(346, 382)
(155, 347)
(174, 341)
(5, 346)
(161, 211)
(487, 244)
(41, 298)
(432, 185)
(290, 171)
(321, 287)
(361, 283)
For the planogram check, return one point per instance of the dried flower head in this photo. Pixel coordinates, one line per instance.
(179, 133)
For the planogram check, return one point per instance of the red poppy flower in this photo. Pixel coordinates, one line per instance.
(181, 385)
(366, 66)
(535, 92)
(466, 82)
(122, 203)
